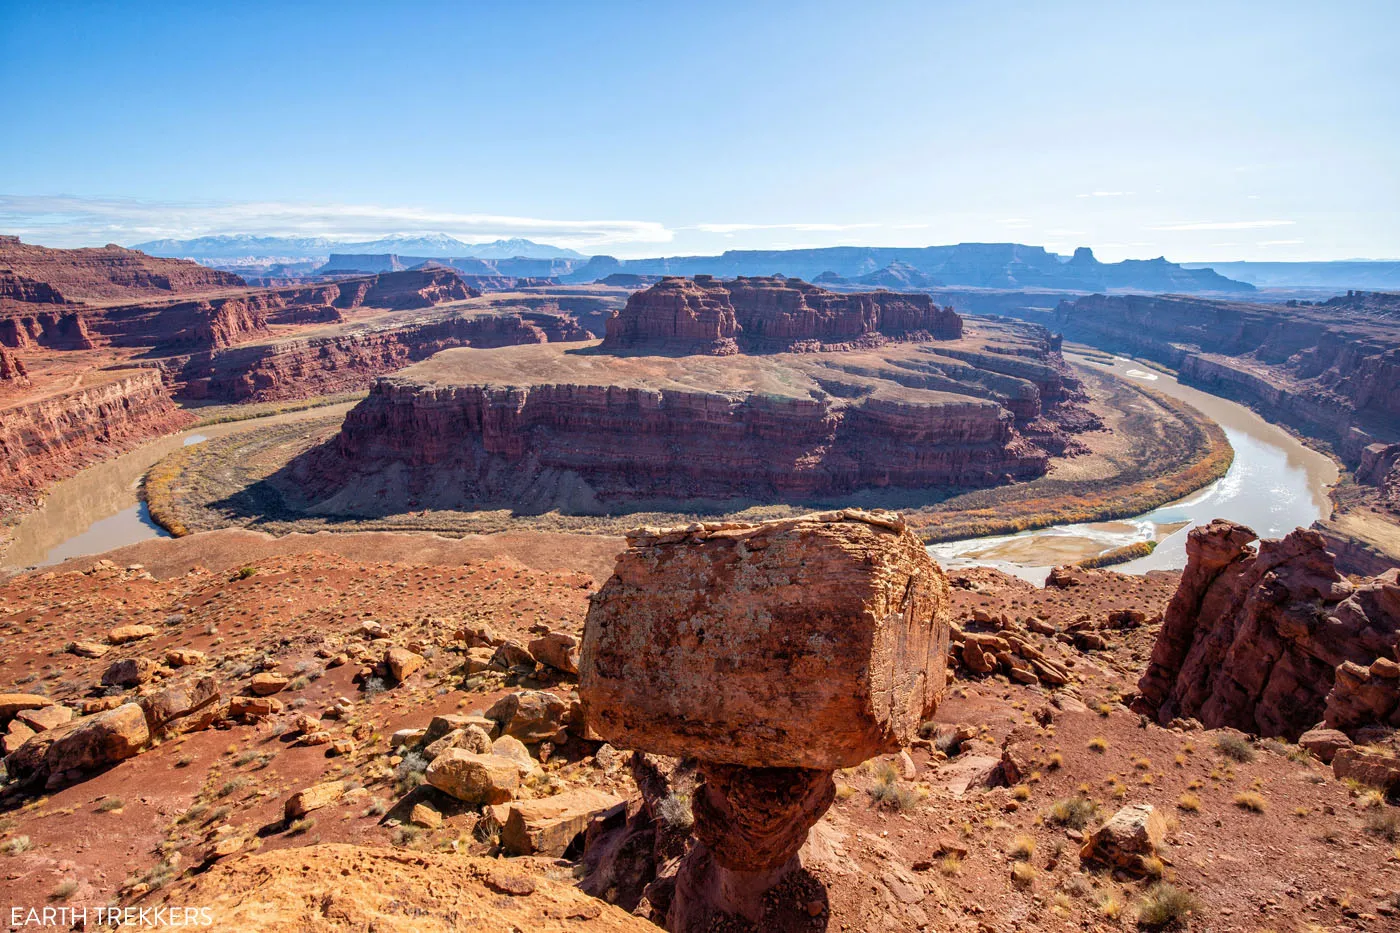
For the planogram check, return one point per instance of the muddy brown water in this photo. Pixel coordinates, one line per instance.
(100, 508)
(1275, 484)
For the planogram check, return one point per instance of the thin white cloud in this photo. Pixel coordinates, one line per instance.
(1279, 243)
(738, 228)
(1065, 233)
(1107, 194)
(909, 226)
(1016, 223)
(1225, 225)
(65, 220)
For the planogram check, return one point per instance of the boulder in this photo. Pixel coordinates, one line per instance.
(480, 659)
(509, 654)
(479, 636)
(1375, 770)
(45, 717)
(15, 736)
(249, 708)
(402, 663)
(1132, 835)
(508, 746)
(548, 825)
(312, 798)
(11, 704)
(129, 672)
(88, 649)
(84, 744)
(474, 778)
(267, 683)
(558, 650)
(472, 738)
(128, 633)
(193, 706)
(531, 716)
(425, 816)
(1324, 743)
(183, 657)
(442, 724)
(694, 645)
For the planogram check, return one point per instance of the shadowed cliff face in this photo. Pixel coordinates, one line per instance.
(705, 315)
(584, 430)
(1275, 641)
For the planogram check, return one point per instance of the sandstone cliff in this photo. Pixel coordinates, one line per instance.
(12, 368)
(53, 437)
(305, 367)
(705, 315)
(1331, 371)
(108, 272)
(578, 428)
(1275, 641)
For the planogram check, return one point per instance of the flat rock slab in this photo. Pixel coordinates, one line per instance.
(547, 826)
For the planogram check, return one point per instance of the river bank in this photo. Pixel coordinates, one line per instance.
(1275, 484)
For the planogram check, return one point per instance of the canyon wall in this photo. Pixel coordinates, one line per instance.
(706, 315)
(108, 272)
(1331, 370)
(305, 367)
(47, 439)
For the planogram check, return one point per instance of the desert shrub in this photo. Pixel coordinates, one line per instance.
(1235, 747)
(110, 804)
(232, 787)
(1099, 744)
(1251, 801)
(1022, 874)
(16, 845)
(1022, 848)
(950, 864)
(1189, 802)
(674, 812)
(64, 891)
(408, 773)
(1166, 905)
(1074, 812)
(890, 794)
(1384, 823)
(303, 825)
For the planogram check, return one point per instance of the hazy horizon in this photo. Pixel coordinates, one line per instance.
(1199, 132)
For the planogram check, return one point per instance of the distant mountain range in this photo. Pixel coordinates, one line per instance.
(247, 249)
(1357, 273)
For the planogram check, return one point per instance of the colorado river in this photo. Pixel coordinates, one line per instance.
(100, 508)
(1274, 485)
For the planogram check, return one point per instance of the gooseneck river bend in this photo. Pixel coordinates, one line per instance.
(1274, 485)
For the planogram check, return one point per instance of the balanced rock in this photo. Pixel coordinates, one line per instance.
(84, 744)
(812, 642)
(268, 683)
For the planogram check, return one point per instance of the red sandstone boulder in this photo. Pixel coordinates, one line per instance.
(778, 671)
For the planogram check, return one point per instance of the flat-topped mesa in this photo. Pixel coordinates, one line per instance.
(774, 653)
(710, 316)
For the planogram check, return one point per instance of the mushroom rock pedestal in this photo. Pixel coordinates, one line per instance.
(774, 653)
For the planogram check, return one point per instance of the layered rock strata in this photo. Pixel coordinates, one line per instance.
(774, 653)
(47, 439)
(1274, 641)
(1330, 370)
(577, 428)
(310, 366)
(101, 273)
(706, 315)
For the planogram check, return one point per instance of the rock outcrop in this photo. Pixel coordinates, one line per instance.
(578, 428)
(706, 315)
(36, 273)
(1332, 370)
(774, 653)
(45, 440)
(334, 887)
(12, 368)
(1274, 642)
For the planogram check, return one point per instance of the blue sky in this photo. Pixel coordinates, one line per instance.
(1199, 131)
